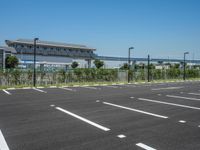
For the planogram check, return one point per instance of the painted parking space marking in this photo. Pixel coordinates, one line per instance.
(167, 103)
(68, 89)
(121, 136)
(182, 121)
(136, 110)
(180, 97)
(89, 87)
(128, 85)
(39, 90)
(83, 119)
(167, 88)
(109, 86)
(3, 144)
(7, 92)
(144, 146)
(198, 94)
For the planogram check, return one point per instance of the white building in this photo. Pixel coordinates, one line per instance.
(51, 54)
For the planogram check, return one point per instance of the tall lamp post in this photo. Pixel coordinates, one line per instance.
(184, 65)
(34, 73)
(148, 68)
(129, 61)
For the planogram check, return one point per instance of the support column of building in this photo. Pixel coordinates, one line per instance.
(89, 62)
(4, 60)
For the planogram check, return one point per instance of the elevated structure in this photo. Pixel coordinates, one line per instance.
(106, 58)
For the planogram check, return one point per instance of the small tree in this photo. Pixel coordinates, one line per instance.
(74, 65)
(12, 62)
(98, 63)
(125, 66)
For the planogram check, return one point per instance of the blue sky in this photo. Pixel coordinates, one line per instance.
(161, 28)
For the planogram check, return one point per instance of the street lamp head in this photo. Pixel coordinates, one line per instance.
(186, 53)
(131, 48)
(36, 39)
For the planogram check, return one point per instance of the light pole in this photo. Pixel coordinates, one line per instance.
(184, 65)
(148, 68)
(34, 73)
(129, 61)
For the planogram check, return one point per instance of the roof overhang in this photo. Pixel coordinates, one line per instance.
(49, 44)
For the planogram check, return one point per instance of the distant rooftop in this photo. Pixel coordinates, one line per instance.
(49, 43)
(8, 49)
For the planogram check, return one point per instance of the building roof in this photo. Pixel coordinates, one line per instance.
(8, 49)
(49, 43)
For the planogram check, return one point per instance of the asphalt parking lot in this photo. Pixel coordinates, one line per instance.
(119, 117)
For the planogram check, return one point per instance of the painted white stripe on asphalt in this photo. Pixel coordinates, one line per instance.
(182, 121)
(68, 89)
(115, 87)
(3, 144)
(121, 136)
(128, 85)
(145, 146)
(83, 119)
(39, 90)
(180, 97)
(167, 88)
(136, 110)
(7, 92)
(194, 93)
(93, 88)
(166, 103)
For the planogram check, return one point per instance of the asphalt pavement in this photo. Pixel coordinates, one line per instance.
(159, 116)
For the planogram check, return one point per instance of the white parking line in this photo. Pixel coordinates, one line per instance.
(180, 97)
(121, 136)
(68, 89)
(167, 88)
(136, 110)
(145, 146)
(7, 92)
(3, 144)
(182, 121)
(39, 90)
(166, 103)
(115, 87)
(83, 119)
(89, 87)
(194, 93)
